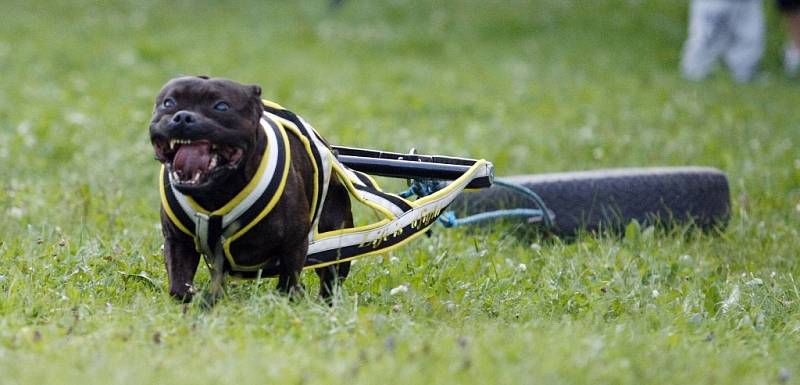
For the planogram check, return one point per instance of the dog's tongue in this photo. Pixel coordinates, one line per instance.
(193, 157)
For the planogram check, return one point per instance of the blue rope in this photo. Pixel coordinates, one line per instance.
(547, 219)
(448, 219)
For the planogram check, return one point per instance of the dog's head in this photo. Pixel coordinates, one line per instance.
(205, 129)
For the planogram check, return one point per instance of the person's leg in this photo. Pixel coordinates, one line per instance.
(747, 46)
(791, 58)
(708, 26)
(793, 26)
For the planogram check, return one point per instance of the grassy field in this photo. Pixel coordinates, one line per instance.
(534, 86)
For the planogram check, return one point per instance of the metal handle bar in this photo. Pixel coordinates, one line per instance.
(408, 166)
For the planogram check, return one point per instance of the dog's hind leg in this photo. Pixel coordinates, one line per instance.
(330, 277)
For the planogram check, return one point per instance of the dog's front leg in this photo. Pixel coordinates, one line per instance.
(181, 260)
(292, 261)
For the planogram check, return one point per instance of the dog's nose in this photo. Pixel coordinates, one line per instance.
(183, 118)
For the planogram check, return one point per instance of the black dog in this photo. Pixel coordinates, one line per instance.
(208, 135)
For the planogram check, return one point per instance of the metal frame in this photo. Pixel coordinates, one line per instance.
(408, 166)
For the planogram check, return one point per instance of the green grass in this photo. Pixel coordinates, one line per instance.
(534, 86)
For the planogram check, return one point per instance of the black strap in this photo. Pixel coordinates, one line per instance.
(214, 231)
(317, 157)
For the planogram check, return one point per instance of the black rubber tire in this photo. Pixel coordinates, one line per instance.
(607, 200)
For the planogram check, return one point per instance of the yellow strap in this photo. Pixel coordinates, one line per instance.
(270, 205)
(418, 204)
(286, 124)
(165, 203)
(270, 103)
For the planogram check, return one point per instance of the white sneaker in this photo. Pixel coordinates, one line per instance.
(791, 59)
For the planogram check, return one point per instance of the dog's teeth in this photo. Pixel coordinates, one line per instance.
(175, 176)
(196, 177)
(172, 144)
(213, 162)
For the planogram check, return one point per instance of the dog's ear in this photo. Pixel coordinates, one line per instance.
(255, 90)
(258, 104)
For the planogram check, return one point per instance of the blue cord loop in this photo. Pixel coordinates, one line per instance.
(425, 187)
(449, 219)
(547, 216)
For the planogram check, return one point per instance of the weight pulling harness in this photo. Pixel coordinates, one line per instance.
(215, 232)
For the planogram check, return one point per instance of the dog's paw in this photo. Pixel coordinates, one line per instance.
(183, 294)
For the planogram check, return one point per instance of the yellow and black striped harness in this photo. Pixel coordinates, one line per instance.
(214, 232)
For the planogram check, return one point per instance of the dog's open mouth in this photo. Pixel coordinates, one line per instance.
(193, 163)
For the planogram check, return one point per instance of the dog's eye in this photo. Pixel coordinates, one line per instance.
(221, 106)
(168, 103)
